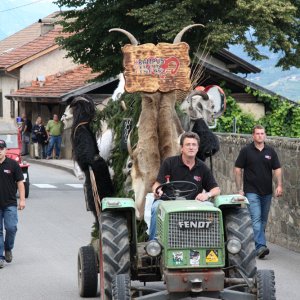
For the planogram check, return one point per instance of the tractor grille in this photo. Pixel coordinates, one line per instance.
(194, 237)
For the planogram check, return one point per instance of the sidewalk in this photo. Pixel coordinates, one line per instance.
(63, 164)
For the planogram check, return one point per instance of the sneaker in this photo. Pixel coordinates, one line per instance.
(1, 263)
(48, 157)
(8, 256)
(262, 252)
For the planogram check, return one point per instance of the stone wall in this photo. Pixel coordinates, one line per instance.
(284, 219)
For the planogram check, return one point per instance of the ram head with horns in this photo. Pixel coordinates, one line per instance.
(156, 71)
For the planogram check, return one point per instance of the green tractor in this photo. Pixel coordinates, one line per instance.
(201, 252)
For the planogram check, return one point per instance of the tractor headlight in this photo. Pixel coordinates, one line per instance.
(153, 248)
(234, 246)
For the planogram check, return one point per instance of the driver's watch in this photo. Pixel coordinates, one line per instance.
(209, 195)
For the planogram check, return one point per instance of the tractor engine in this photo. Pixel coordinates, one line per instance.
(192, 237)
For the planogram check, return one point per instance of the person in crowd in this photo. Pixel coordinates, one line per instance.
(26, 132)
(254, 169)
(184, 167)
(11, 179)
(39, 138)
(54, 130)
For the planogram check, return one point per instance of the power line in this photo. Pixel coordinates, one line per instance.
(34, 2)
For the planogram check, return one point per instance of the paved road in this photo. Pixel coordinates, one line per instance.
(55, 224)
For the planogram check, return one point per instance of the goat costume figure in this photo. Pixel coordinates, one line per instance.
(86, 153)
(199, 109)
(159, 125)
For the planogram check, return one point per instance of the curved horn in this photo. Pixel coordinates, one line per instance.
(181, 33)
(129, 148)
(200, 93)
(132, 39)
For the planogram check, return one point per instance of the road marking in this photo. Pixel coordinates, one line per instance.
(75, 185)
(45, 186)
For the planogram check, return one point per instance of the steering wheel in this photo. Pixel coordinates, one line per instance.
(173, 190)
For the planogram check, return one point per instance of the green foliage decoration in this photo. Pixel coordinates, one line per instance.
(282, 116)
(244, 121)
(114, 114)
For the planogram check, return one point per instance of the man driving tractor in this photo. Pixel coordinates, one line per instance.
(188, 171)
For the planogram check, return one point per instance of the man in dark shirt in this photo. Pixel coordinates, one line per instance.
(259, 161)
(11, 176)
(185, 167)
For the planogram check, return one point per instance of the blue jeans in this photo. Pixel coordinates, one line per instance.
(152, 229)
(25, 142)
(54, 141)
(259, 210)
(8, 218)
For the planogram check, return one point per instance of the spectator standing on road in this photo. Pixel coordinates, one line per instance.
(39, 138)
(184, 167)
(54, 130)
(259, 162)
(11, 178)
(26, 131)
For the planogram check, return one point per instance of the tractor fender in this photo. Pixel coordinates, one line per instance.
(231, 200)
(124, 206)
(114, 203)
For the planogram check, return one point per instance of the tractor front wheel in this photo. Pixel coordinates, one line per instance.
(87, 272)
(121, 287)
(238, 225)
(265, 280)
(114, 256)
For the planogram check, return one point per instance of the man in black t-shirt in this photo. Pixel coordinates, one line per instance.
(11, 178)
(185, 167)
(258, 161)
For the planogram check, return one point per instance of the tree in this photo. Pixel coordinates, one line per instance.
(271, 23)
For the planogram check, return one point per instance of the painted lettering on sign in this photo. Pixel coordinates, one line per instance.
(150, 68)
(157, 66)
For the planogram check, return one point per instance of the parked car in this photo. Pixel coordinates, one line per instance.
(12, 136)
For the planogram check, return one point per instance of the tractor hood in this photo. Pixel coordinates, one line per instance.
(186, 205)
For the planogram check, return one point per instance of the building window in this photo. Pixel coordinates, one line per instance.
(1, 104)
(12, 106)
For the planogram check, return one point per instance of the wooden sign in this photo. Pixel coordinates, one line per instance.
(163, 67)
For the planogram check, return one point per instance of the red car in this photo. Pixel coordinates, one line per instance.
(12, 136)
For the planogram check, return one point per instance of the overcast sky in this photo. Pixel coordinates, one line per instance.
(17, 14)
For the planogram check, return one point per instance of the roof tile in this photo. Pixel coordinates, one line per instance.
(59, 84)
(27, 34)
(44, 42)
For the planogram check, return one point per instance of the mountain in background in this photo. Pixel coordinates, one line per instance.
(26, 12)
(285, 83)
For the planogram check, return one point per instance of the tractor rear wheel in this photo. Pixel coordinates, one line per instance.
(114, 256)
(238, 225)
(121, 287)
(87, 272)
(265, 280)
